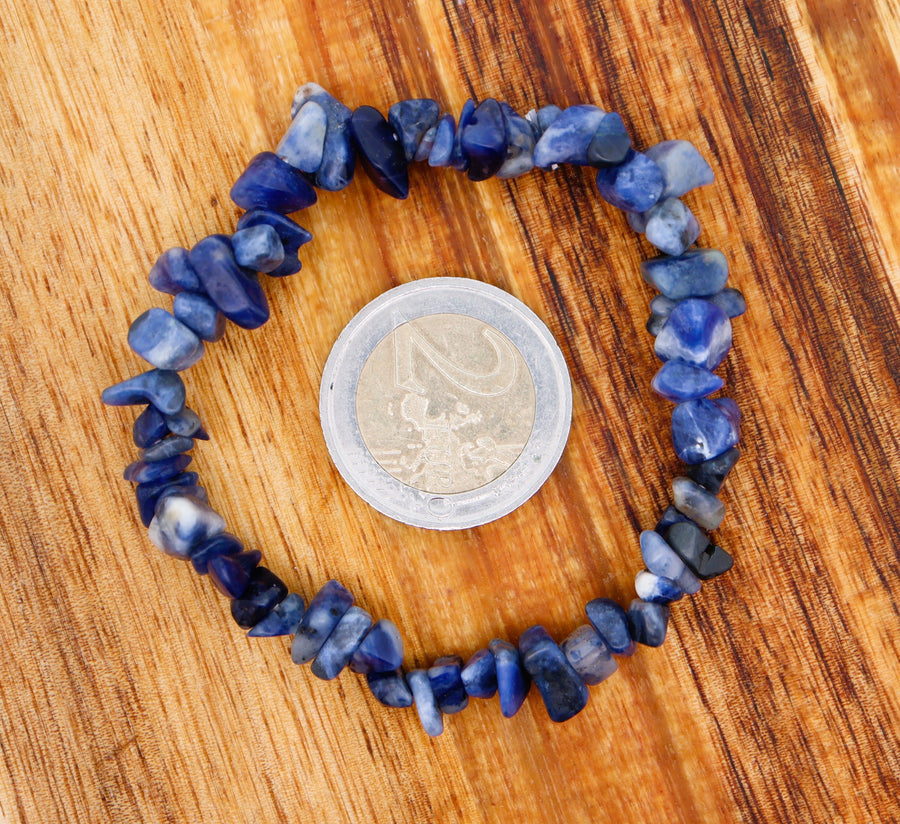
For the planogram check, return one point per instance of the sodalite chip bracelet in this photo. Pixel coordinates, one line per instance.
(216, 280)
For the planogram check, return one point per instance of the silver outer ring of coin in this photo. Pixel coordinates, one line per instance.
(552, 416)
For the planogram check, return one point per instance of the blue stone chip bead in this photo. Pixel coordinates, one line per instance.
(270, 183)
(678, 381)
(711, 474)
(661, 305)
(161, 387)
(425, 146)
(338, 158)
(430, 715)
(542, 119)
(380, 651)
(164, 341)
(662, 560)
(222, 544)
(282, 620)
(291, 234)
(234, 290)
(671, 227)
(589, 656)
(513, 682)
(187, 423)
(668, 518)
(149, 427)
(411, 119)
(390, 688)
(196, 311)
(321, 617)
(610, 143)
(264, 592)
(568, 138)
(231, 573)
(459, 160)
(703, 429)
(696, 332)
(479, 675)
(696, 273)
(682, 165)
(655, 324)
(483, 140)
(648, 622)
(141, 472)
(380, 151)
(564, 692)
(610, 622)
(442, 148)
(730, 301)
(303, 144)
(520, 142)
(258, 248)
(656, 589)
(340, 645)
(148, 494)
(633, 185)
(167, 448)
(700, 505)
(181, 522)
(689, 541)
(447, 684)
(713, 562)
(173, 273)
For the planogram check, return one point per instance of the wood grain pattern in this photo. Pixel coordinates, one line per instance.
(126, 692)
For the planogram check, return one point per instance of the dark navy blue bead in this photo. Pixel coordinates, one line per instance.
(648, 622)
(380, 151)
(270, 183)
(610, 143)
(340, 645)
(656, 589)
(714, 561)
(711, 474)
(479, 675)
(459, 160)
(564, 692)
(689, 542)
(164, 341)
(263, 593)
(633, 185)
(173, 273)
(291, 234)
(411, 119)
(167, 448)
(149, 427)
(148, 494)
(611, 624)
(447, 684)
(258, 248)
(703, 429)
(513, 682)
(568, 138)
(390, 688)
(696, 273)
(678, 381)
(442, 148)
(520, 142)
(160, 387)
(730, 301)
(697, 332)
(282, 620)
(303, 144)
(187, 423)
(380, 651)
(669, 517)
(483, 140)
(140, 472)
(236, 292)
(231, 573)
(429, 713)
(196, 311)
(682, 165)
(589, 656)
(325, 610)
(336, 170)
(222, 544)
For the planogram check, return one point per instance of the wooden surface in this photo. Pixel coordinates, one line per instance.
(127, 694)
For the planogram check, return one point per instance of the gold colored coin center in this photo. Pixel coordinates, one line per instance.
(445, 403)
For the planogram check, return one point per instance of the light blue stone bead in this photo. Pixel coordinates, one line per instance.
(655, 324)
(182, 522)
(662, 560)
(426, 144)
(542, 119)
(338, 158)
(291, 235)
(696, 332)
(258, 248)
(340, 645)
(303, 144)
(164, 341)
(730, 301)
(513, 682)
(282, 620)
(390, 688)
(655, 589)
(479, 675)
(671, 227)
(161, 387)
(637, 221)
(611, 624)
(187, 423)
(519, 145)
(648, 622)
(678, 381)
(611, 142)
(704, 429)
(167, 448)
(426, 706)
(442, 149)
(696, 273)
(411, 120)
(568, 137)
(682, 165)
(173, 273)
(633, 185)
(380, 651)
(196, 311)
(564, 692)
(699, 504)
(321, 617)
(663, 306)
(589, 655)
(447, 684)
